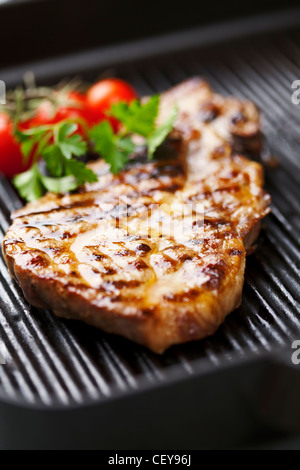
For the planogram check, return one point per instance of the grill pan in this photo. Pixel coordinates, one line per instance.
(67, 385)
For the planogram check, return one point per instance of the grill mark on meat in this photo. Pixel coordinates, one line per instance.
(215, 222)
(199, 196)
(12, 241)
(142, 249)
(109, 271)
(139, 264)
(74, 205)
(38, 260)
(239, 118)
(230, 234)
(66, 235)
(185, 257)
(208, 112)
(235, 252)
(100, 257)
(185, 296)
(216, 273)
(230, 189)
(124, 253)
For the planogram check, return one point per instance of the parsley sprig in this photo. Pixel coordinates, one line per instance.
(57, 145)
(136, 118)
(60, 146)
(114, 149)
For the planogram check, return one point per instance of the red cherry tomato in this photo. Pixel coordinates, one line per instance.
(75, 110)
(11, 158)
(103, 94)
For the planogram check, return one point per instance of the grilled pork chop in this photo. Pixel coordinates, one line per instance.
(156, 253)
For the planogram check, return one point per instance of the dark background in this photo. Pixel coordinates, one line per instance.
(228, 405)
(35, 29)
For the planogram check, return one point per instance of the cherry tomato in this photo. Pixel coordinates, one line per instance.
(103, 94)
(75, 109)
(11, 158)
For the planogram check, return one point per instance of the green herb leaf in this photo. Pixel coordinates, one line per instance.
(64, 184)
(137, 117)
(103, 138)
(126, 144)
(65, 130)
(54, 160)
(117, 161)
(73, 146)
(29, 184)
(27, 147)
(69, 144)
(80, 171)
(32, 140)
(20, 136)
(156, 138)
(66, 173)
(35, 132)
(114, 149)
